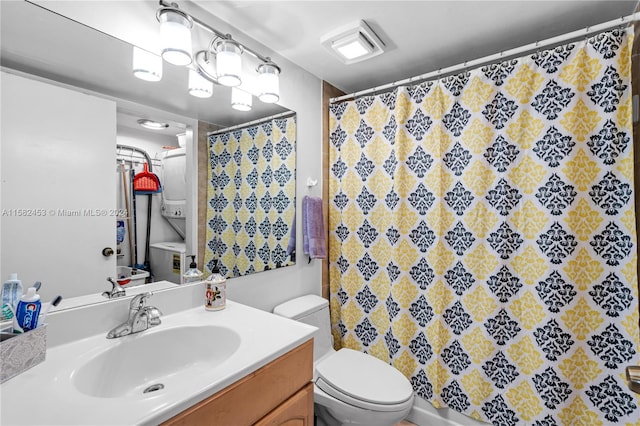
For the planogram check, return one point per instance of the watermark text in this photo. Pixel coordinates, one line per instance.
(64, 212)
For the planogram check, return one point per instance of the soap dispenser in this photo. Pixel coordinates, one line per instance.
(193, 274)
(215, 292)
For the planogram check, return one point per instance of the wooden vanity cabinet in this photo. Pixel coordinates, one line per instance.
(278, 394)
(295, 411)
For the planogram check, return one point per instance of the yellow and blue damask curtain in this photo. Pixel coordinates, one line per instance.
(251, 193)
(482, 235)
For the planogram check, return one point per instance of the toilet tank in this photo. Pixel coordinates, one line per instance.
(312, 310)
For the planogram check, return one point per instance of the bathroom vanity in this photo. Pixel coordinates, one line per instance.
(281, 392)
(239, 366)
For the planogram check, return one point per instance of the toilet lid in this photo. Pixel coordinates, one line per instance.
(362, 380)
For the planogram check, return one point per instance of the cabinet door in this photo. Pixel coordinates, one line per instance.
(296, 411)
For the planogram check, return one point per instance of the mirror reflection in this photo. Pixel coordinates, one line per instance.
(251, 209)
(152, 192)
(86, 158)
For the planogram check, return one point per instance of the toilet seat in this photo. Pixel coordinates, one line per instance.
(363, 381)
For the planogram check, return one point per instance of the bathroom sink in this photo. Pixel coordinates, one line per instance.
(148, 362)
(190, 357)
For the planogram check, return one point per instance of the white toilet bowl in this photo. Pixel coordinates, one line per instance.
(353, 388)
(331, 412)
(350, 387)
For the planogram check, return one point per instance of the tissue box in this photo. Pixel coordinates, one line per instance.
(20, 352)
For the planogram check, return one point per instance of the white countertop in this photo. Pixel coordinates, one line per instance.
(46, 395)
(90, 299)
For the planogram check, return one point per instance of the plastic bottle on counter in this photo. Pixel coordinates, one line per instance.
(12, 291)
(215, 292)
(28, 310)
(193, 274)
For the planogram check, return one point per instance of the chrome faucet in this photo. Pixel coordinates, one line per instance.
(116, 290)
(141, 317)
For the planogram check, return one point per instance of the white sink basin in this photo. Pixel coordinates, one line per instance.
(150, 359)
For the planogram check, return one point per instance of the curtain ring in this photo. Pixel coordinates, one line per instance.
(622, 23)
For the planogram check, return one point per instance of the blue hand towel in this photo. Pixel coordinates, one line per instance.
(314, 241)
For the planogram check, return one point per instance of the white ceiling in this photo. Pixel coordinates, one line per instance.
(421, 36)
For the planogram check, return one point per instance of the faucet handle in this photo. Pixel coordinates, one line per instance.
(140, 300)
(153, 316)
(116, 290)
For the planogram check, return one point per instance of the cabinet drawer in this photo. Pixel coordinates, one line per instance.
(252, 397)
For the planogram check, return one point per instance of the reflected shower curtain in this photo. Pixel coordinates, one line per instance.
(251, 193)
(483, 235)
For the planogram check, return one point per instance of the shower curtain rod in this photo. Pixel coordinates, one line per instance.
(251, 123)
(574, 35)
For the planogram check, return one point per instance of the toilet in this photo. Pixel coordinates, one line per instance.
(350, 387)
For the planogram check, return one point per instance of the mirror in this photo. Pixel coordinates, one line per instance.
(39, 42)
(252, 191)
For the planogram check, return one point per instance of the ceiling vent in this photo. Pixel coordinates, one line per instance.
(353, 43)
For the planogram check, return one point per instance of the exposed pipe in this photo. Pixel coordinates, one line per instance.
(138, 150)
(150, 198)
(518, 51)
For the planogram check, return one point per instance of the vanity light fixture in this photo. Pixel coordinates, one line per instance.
(220, 63)
(199, 86)
(268, 82)
(353, 43)
(241, 100)
(152, 125)
(146, 65)
(175, 33)
(205, 64)
(229, 63)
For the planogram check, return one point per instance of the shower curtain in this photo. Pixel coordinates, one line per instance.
(482, 235)
(251, 193)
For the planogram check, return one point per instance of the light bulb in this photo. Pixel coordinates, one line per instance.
(269, 83)
(199, 86)
(175, 33)
(146, 65)
(152, 124)
(240, 100)
(229, 63)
